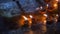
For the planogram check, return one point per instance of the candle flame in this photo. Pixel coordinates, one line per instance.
(31, 16)
(45, 15)
(25, 18)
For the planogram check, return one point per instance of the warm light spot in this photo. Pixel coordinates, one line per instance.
(45, 15)
(30, 22)
(31, 16)
(47, 5)
(56, 20)
(25, 17)
(57, 0)
(55, 5)
(41, 7)
(57, 15)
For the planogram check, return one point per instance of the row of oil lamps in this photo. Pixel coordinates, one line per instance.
(46, 16)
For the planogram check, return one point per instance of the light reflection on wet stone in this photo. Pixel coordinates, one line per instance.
(25, 31)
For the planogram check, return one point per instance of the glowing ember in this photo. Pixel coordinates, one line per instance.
(25, 18)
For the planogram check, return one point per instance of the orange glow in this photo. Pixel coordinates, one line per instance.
(55, 5)
(42, 12)
(30, 21)
(45, 22)
(31, 16)
(47, 5)
(25, 17)
(45, 15)
(57, 0)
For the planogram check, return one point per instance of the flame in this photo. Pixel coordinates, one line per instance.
(31, 16)
(55, 5)
(25, 17)
(45, 15)
(47, 5)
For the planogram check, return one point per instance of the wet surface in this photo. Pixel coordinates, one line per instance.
(36, 31)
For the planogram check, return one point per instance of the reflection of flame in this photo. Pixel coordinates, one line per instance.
(44, 21)
(31, 16)
(37, 8)
(25, 18)
(41, 7)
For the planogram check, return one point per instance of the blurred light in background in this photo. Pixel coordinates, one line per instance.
(47, 5)
(41, 7)
(37, 8)
(57, 15)
(55, 5)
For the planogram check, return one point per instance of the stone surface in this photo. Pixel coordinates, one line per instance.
(29, 5)
(9, 9)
